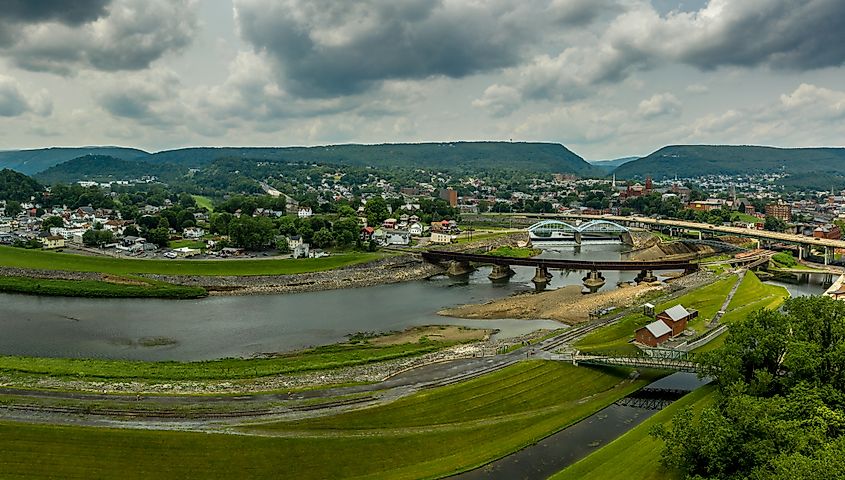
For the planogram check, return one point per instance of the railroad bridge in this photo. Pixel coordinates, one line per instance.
(459, 263)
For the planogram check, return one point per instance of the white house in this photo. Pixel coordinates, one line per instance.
(294, 241)
(305, 212)
(193, 232)
(440, 238)
(415, 229)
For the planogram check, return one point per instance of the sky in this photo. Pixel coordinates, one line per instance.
(606, 78)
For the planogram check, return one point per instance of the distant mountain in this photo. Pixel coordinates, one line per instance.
(609, 165)
(537, 157)
(100, 168)
(34, 161)
(696, 160)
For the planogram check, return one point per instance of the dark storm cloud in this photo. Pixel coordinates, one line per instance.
(791, 34)
(72, 12)
(127, 35)
(327, 48)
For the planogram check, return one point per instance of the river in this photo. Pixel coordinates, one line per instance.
(242, 326)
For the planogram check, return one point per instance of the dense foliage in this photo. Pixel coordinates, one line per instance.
(18, 187)
(781, 408)
(697, 160)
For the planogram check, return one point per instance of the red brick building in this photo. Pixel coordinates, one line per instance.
(653, 334)
(780, 210)
(677, 318)
(670, 323)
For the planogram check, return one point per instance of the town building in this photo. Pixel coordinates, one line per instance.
(780, 210)
(451, 196)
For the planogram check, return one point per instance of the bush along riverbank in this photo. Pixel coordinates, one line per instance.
(109, 288)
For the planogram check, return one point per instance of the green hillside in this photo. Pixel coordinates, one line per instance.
(99, 168)
(18, 187)
(34, 161)
(537, 157)
(696, 160)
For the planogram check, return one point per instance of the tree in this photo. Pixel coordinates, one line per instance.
(376, 211)
(13, 208)
(97, 238)
(160, 236)
(52, 222)
(774, 224)
(780, 408)
(251, 233)
(323, 238)
(282, 244)
(131, 231)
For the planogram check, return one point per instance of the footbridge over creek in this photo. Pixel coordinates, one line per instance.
(681, 362)
(459, 263)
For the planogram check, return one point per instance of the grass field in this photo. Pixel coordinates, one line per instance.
(751, 295)
(204, 202)
(429, 434)
(195, 244)
(614, 338)
(36, 259)
(636, 454)
(320, 358)
(97, 289)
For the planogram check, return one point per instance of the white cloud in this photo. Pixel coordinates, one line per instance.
(659, 105)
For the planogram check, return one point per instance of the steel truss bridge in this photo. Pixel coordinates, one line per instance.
(678, 360)
(591, 232)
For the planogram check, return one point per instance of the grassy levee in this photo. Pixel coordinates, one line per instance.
(615, 338)
(97, 289)
(430, 434)
(36, 259)
(752, 295)
(320, 358)
(636, 454)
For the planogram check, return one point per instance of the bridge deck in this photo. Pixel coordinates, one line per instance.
(442, 255)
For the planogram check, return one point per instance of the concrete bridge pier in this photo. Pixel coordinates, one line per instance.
(801, 253)
(542, 276)
(594, 280)
(828, 255)
(646, 276)
(501, 273)
(457, 268)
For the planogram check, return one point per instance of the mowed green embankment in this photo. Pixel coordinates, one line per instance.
(36, 259)
(430, 434)
(98, 289)
(615, 338)
(320, 358)
(636, 454)
(752, 295)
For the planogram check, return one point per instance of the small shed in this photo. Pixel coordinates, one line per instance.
(648, 310)
(677, 318)
(654, 333)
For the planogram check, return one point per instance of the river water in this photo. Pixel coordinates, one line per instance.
(242, 326)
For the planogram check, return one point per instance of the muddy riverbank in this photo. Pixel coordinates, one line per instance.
(567, 304)
(401, 268)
